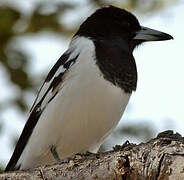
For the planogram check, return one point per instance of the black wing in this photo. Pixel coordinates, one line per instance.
(47, 92)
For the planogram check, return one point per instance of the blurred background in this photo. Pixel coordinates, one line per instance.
(35, 33)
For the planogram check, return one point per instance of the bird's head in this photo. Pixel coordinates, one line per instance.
(112, 22)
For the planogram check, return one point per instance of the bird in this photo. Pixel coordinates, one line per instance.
(86, 92)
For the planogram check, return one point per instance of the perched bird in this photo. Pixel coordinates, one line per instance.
(85, 94)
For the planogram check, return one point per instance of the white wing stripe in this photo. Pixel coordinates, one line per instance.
(72, 53)
(50, 88)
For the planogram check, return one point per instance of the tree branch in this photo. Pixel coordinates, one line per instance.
(159, 159)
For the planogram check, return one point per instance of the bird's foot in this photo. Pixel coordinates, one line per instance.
(55, 154)
(68, 159)
(65, 160)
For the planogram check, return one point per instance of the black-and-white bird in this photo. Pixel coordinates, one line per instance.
(85, 94)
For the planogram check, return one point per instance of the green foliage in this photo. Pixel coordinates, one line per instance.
(41, 20)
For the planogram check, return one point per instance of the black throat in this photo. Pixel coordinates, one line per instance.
(115, 60)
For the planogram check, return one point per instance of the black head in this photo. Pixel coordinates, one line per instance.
(115, 33)
(112, 22)
(109, 22)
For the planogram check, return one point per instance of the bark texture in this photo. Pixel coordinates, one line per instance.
(161, 158)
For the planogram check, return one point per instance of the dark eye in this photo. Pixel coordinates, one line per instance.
(128, 24)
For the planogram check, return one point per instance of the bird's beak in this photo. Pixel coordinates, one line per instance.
(147, 34)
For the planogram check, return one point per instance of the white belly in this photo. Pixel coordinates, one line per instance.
(78, 119)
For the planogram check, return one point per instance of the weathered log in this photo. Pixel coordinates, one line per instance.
(159, 159)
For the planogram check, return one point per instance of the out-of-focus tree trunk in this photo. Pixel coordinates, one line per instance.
(159, 159)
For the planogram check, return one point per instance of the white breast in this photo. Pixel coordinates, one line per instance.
(82, 114)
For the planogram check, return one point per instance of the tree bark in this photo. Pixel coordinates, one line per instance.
(161, 158)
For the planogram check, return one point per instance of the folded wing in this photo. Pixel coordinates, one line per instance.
(46, 94)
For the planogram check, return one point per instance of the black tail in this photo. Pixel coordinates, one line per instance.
(24, 137)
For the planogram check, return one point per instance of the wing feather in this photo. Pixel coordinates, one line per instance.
(46, 94)
(50, 76)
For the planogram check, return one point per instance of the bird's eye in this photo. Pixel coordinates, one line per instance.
(125, 24)
(128, 24)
